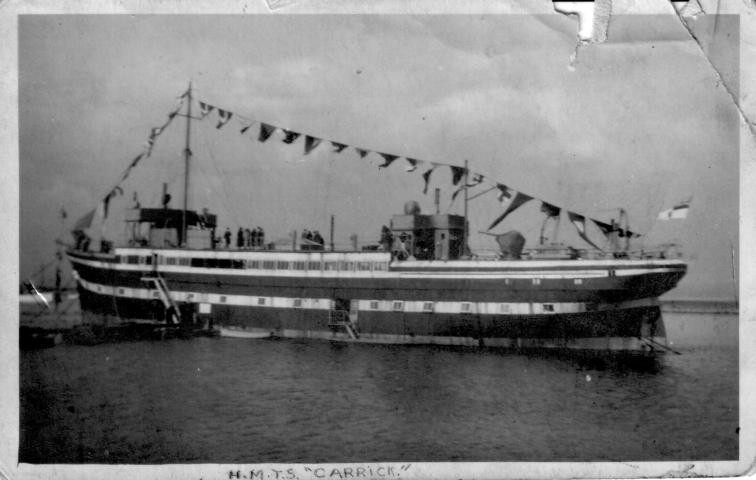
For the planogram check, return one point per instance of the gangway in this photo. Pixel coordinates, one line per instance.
(342, 318)
(164, 294)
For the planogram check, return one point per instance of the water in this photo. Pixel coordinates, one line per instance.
(252, 401)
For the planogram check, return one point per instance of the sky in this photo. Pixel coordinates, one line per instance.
(639, 122)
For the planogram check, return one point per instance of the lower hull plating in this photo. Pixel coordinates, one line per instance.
(631, 326)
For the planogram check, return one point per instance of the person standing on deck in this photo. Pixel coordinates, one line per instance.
(261, 237)
(387, 238)
(240, 238)
(227, 237)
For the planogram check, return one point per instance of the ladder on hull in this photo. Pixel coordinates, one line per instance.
(165, 296)
(342, 318)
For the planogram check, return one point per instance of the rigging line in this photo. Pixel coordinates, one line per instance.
(143, 152)
(327, 196)
(42, 269)
(225, 200)
(480, 194)
(231, 212)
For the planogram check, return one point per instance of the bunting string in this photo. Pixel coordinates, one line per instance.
(116, 190)
(511, 199)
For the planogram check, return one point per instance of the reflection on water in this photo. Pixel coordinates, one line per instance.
(232, 400)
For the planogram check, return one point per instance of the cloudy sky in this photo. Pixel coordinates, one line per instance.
(639, 122)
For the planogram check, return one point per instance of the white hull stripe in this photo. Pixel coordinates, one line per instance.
(493, 275)
(385, 257)
(483, 308)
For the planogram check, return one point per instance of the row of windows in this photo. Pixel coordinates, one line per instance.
(341, 266)
(465, 307)
(329, 266)
(396, 305)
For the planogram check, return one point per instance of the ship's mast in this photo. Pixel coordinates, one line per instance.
(465, 231)
(187, 157)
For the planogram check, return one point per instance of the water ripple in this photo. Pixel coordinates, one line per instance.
(230, 400)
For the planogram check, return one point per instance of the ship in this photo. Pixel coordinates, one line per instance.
(420, 284)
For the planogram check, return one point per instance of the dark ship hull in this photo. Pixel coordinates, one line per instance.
(366, 297)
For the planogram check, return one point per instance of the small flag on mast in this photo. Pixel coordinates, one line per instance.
(519, 199)
(579, 222)
(290, 136)
(310, 143)
(505, 194)
(338, 147)
(387, 159)
(223, 117)
(426, 179)
(412, 164)
(677, 212)
(265, 131)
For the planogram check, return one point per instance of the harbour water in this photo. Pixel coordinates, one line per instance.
(225, 400)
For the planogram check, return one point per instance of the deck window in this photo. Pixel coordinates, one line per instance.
(364, 266)
(331, 266)
(269, 265)
(211, 262)
(380, 266)
(374, 305)
(223, 299)
(504, 308)
(170, 260)
(133, 259)
(237, 264)
(299, 265)
(548, 307)
(184, 261)
(261, 301)
(198, 262)
(255, 264)
(397, 306)
(155, 294)
(224, 263)
(190, 297)
(346, 266)
(465, 307)
(282, 265)
(428, 307)
(311, 265)
(297, 303)
(121, 291)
